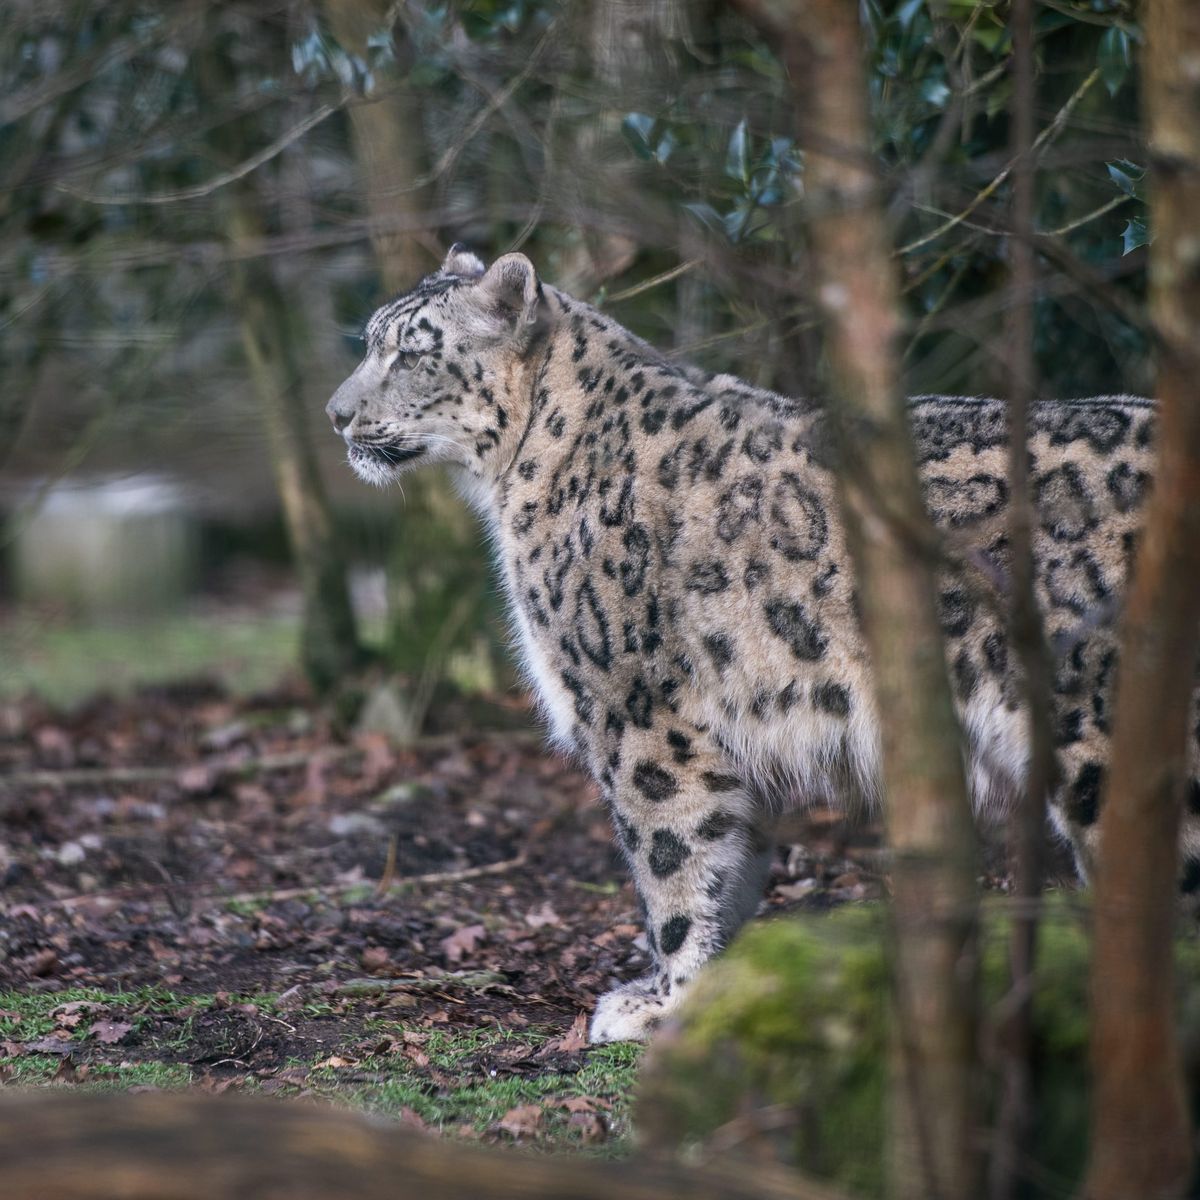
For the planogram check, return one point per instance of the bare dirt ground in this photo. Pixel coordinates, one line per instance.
(205, 891)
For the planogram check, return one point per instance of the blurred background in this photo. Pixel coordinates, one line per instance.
(202, 202)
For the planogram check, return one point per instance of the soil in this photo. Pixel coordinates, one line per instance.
(281, 885)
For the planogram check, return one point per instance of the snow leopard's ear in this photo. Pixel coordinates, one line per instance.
(460, 261)
(511, 291)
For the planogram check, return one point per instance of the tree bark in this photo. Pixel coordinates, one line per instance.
(1141, 1143)
(329, 641)
(193, 1147)
(1027, 824)
(930, 832)
(389, 146)
(629, 52)
(438, 596)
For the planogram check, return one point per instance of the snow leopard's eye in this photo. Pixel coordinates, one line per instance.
(408, 359)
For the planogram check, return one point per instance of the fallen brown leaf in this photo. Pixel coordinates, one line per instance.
(208, 1083)
(797, 890)
(413, 1119)
(462, 942)
(336, 1060)
(110, 1032)
(375, 958)
(523, 1121)
(593, 1128)
(195, 780)
(585, 1104)
(68, 1015)
(544, 915)
(416, 1056)
(68, 1072)
(574, 1040)
(42, 963)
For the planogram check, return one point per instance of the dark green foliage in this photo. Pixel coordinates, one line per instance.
(612, 158)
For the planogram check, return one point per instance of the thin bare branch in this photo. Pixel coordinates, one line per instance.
(200, 190)
(21, 104)
(655, 281)
(1043, 139)
(1015, 1120)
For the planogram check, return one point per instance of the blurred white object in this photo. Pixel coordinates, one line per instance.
(106, 545)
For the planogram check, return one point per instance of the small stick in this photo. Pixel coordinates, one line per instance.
(389, 867)
(292, 893)
(98, 776)
(285, 761)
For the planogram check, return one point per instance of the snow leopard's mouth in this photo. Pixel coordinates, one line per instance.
(385, 454)
(381, 463)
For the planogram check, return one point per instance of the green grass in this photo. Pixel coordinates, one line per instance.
(472, 1099)
(36, 1070)
(33, 1010)
(464, 1083)
(66, 663)
(248, 908)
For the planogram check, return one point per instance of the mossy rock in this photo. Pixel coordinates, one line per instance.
(790, 1023)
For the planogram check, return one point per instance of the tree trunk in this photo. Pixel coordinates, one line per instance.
(1015, 1119)
(389, 146)
(329, 647)
(58, 1146)
(329, 641)
(438, 595)
(628, 51)
(1141, 1141)
(930, 832)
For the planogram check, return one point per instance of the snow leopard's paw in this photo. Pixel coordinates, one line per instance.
(632, 1012)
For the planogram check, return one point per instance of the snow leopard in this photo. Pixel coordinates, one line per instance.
(682, 598)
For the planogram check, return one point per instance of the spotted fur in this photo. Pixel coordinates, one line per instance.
(680, 589)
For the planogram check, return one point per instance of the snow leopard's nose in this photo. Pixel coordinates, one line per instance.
(341, 407)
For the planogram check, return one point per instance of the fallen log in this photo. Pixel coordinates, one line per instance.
(186, 1146)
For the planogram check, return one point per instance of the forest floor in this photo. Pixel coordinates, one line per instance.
(220, 892)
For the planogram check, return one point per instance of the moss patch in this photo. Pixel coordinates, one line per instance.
(786, 1036)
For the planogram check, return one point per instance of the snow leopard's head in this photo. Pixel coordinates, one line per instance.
(440, 365)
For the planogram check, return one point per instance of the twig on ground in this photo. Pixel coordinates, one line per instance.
(101, 776)
(389, 867)
(403, 881)
(275, 895)
(285, 761)
(477, 981)
(497, 868)
(742, 1128)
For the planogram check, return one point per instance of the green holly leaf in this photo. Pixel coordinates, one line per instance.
(1135, 234)
(638, 129)
(1126, 175)
(1114, 58)
(737, 165)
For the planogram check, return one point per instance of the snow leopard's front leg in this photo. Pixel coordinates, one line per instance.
(694, 838)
